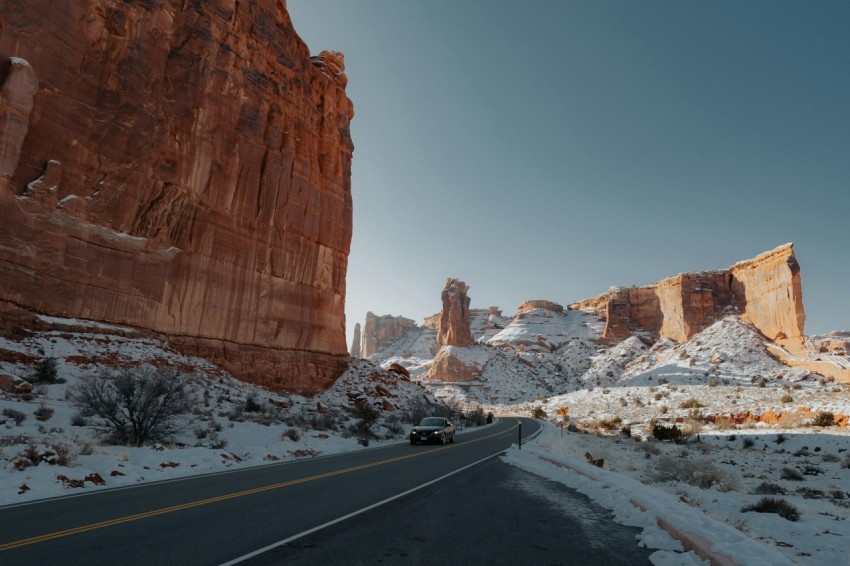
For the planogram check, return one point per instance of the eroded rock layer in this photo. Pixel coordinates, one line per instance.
(182, 167)
(765, 291)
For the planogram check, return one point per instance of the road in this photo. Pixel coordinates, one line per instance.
(360, 507)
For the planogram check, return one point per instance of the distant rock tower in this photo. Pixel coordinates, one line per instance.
(355, 342)
(454, 319)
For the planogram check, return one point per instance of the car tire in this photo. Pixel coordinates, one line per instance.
(453, 438)
(443, 439)
(412, 442)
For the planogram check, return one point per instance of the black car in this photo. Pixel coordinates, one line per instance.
(433, 429)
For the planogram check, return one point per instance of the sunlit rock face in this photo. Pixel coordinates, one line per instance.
(765, 291)
(380, 332)
(181, 167)
(454, 327)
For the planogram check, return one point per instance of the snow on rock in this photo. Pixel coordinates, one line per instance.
(542, 330)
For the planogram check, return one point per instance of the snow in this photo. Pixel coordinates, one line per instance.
(709, 513)
(219, 435)
(545, 361)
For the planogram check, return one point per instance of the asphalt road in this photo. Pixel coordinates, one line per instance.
(218, 518)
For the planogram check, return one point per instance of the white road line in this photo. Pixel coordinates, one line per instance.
(354, 513)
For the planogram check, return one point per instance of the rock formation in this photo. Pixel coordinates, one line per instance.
(182, 167)
(382, 331)
(765, 291)
(355, 342)
(454, 319)
(837, 343)
(537, 304)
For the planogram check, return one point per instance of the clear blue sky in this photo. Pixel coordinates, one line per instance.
(552, 150)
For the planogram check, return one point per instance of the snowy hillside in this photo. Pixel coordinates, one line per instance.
(48, 447)
(414, 351)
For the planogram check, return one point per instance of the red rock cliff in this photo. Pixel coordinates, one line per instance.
(766, 291)
(380, 332)
(182, 167)
(454, 329)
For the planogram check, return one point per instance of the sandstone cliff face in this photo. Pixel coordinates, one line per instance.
(454, 319)
(182, 167)
(765, 291)
(380, 332)
(355, 342)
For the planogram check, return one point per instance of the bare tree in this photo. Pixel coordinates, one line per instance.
(135, 405)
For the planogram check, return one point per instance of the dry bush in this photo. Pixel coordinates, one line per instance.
(135, 405)
(16, 416)
(691, 403)
(65, 455)
(774, 505)
(823, 418)
(769, 488)
(661, 432)
(698, 473)
(613, 423)
(43, 413)
(791, 474)
(292, 434)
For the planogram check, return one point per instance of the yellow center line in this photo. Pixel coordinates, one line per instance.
(225, 497)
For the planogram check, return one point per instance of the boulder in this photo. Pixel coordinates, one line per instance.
(14, 384)
(399, 369)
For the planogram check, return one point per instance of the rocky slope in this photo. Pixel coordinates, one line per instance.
(182, 168)
(736, 325)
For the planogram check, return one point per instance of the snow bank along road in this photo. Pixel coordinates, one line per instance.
(233, 516)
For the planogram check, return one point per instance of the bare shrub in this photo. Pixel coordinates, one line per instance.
(78, 419)
(65, 455)
(699, 473)
(16, 416)
(613, 423)
(538, 412)
(86, 448)
(774, 505)
(787, 398)
(476, 416)
(661, 432)
(45, 371)
(691, 403)
(394, 430)
(823, 418)
(769, 488)
(292, 434)
(748, 442)
(135, 405)
(791, 474)
(43, 413)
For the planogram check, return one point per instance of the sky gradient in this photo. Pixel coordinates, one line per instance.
(551, 150)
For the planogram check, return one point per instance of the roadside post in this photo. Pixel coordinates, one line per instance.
(519, 428)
